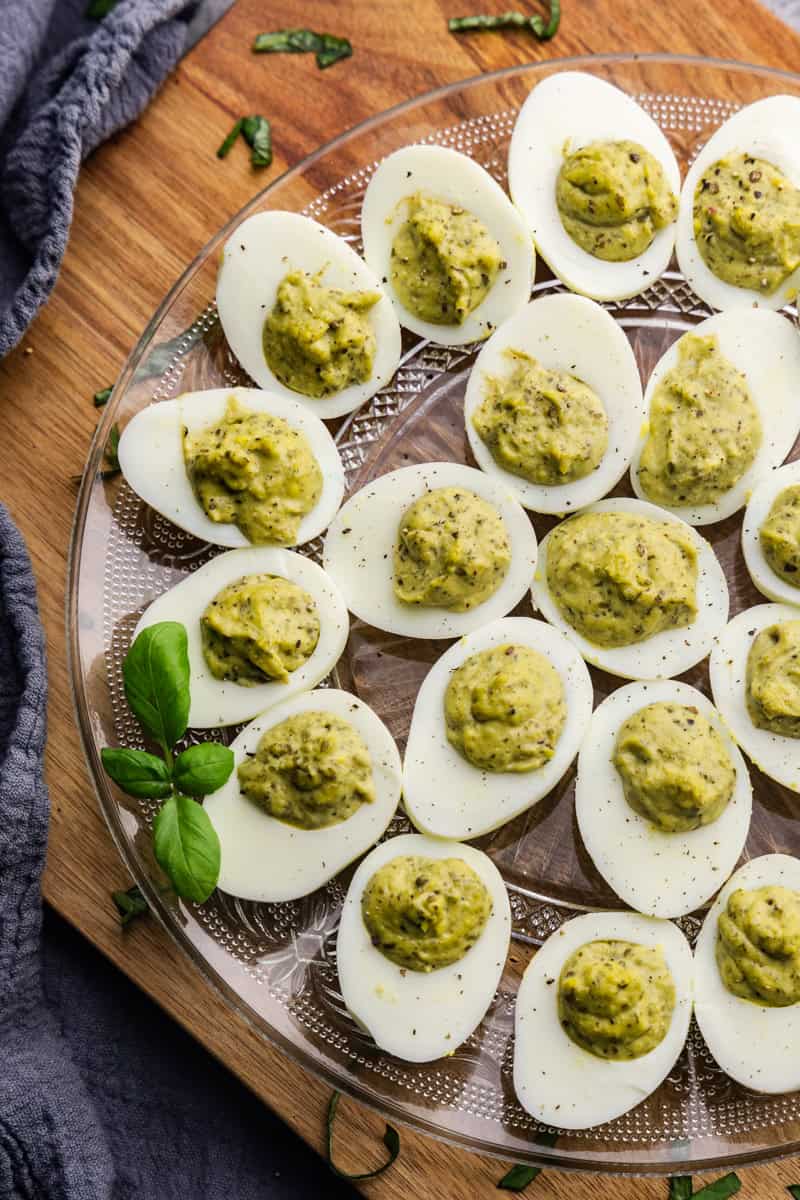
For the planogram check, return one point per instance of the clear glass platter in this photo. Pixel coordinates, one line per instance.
(276, 963)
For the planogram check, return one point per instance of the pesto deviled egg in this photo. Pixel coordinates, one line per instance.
(637, 590)
(423, 938)
(316, 783)
(663, 797)
(497, 722)
(596, 181)
(771, 534)
(447, 243)
(304, 315)
(235, 466)
(722, 411)
(262, 624)
(554, 405)
(431, 551)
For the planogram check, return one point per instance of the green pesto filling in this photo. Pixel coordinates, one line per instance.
(758, 946)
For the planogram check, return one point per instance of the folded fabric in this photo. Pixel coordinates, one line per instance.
(66, 84)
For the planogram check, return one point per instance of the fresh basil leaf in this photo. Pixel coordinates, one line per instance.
(138, 773)
(332, 50)
(130, 905)
(390, 1139)
(102, 397)
(518, 1178)
(156, 676)
(187, 847)
(99, 8)
(287, 41)
(202, 769)
(110, 454)
(227, 145)
(720, 1189)
(257, 132)
(680, 1187)
(794, 1190)
(483, 22)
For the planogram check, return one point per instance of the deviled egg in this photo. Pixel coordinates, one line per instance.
(262, 625)
(447, 243)
(639, 592)
(738, 239)
(663, 797)
(423, 939)
(304, 315)
(554, 404)
(431, 551)
(602, 1015)
(497, 722)
(755, 680)
(316, 782)
(747, 975)
(235, 466)
(722, 411)
(771, 534)
(597, 183)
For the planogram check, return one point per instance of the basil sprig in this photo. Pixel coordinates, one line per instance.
(520, 1175)
(327, 47)
(483, 22)
(156, 677)
(680, 1188)
(390, 1139)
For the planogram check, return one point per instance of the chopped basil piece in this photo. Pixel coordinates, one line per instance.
(520, 1175)
(257, 133)
(510, 20)
(391, 1140)
(794, 1190)
(102, 397)
(227, 145)
(129, 905)
(110, 454)
(327, 47)
(680, 1187)
(720, 1189)
(99, 8)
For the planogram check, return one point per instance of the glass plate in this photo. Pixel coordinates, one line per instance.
(276, 963)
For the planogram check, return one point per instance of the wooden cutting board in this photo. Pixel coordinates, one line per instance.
(146, 204)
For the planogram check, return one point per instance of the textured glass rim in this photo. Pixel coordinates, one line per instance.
(538, 1155)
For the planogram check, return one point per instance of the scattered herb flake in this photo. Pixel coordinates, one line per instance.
(327, 47)
(257, 132)
(680, 1187)
(102, 397)
(129, 905)
(227, 145)
(99, 8)
(391, 1140)
(483, 22)
(720, 1189)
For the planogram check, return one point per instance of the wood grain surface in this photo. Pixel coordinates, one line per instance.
(146, 203)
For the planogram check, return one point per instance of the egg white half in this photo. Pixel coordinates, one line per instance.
(269, 860)
(359, 551)
(756, 1045)
(572, 334)
(775, 755)
(215, 703)
(444, 794)
(255, 260)
(151, 457)
(556, 1080)
(661, 874)
(448, 175)
(766, 348)
(562, 114)
(665, 654)
(420, 1016)
(768, 129)
(766, 492)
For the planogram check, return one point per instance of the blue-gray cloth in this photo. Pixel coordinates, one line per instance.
(66, 84)
(101, 1096)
